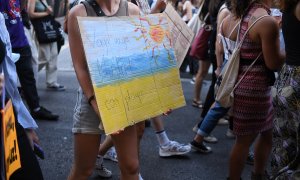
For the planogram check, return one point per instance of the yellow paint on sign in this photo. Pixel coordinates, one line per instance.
(11, 148)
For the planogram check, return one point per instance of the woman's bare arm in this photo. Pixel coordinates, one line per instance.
(33, 14)
(269, 36)
(133, 9)
(77, 53)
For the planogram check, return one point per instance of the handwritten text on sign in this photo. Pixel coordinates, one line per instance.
(11, 149)
(181, 34)
(133, 68)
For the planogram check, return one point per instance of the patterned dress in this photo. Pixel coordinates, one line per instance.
(285, 161)
(252, 107)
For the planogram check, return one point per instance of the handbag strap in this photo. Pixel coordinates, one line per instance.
(43, 4)
(200, 8)
(96, 7)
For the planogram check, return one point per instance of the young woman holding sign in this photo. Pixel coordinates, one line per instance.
(86, 117)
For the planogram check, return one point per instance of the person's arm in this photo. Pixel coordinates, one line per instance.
(186, 7)
(33, 14)
(297, 11)
(269, 37)
(77, 54)
(133, 9)
(159, 6)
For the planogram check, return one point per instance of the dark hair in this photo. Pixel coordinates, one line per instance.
(239, 7)
(213, 6)
(288, 5)
(228, 4)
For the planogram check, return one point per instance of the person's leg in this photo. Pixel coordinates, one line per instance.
(107, 150)
(239, 155)
(26, 77)
(211, 119)
(140, 129)
(202, 72)
(262, 151)
(167, 147)
(105, 146)
(34, 51)
(51, 67)
(210, 98)
(206, 127)
(126, 146)
(161, 134)
(30, 168)
(85, 153)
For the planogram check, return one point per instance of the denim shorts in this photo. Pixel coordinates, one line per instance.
(85, 120)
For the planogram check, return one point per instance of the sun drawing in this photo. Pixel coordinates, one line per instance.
(157, 36)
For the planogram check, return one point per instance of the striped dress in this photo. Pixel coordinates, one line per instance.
(252, 107)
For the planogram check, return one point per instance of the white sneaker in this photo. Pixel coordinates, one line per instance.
(173, 148)
(111, 155)
(140, 177)
(230, 134)
(102, 171)
(223, 121)
(210, 139)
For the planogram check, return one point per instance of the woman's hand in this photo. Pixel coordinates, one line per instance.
(169, 111)
(218, 71)
(49, 10)
(32, 136)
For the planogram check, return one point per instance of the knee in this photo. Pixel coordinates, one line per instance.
(81, 172)
(130, 168)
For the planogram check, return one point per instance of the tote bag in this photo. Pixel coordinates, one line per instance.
(195, 23)
(229, 73)
(47, 29)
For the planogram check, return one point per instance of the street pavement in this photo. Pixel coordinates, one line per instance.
(57, 140)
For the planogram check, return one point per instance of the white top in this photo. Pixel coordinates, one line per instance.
(188, 7)
(228, 44)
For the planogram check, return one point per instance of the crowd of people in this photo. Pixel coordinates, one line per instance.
(265, 111)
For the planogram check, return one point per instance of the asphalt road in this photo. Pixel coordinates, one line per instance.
(56, 137)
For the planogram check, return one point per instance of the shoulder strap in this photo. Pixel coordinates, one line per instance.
(243, 38)
(235, 26)
(200, 8)
(222, 33)
(249, 67)
(97, 10)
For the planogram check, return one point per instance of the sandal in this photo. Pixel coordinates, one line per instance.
(197, 104)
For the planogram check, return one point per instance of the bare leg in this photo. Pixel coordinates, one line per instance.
(158, 124)
(198, 138)
(202, 72)
(126, 147)
(239, 155)
(106, 145)
(262, 151)
(140, 128)
(85, 153)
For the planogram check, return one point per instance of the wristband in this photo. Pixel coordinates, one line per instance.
(92, 97)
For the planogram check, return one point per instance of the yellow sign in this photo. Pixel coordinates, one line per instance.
(133, 68)
(11, 148)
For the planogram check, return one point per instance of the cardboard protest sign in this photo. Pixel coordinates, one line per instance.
(133, 68)
(182, 35)
(10, 141)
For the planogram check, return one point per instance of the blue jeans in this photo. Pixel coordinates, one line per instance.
(211, 119)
